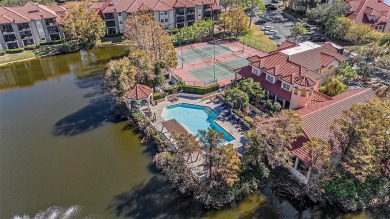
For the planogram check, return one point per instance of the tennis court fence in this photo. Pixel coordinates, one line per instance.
(194, 83)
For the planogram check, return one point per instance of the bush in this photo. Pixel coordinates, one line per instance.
(11, 51)
(193, 89)
(200, 90)
(53, 42)
(2, 52)
(67, 48)
(31, 47)
(170, 89)
(158, 96)
(248, 119)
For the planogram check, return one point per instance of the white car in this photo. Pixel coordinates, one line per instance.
(267, 28)
(271, 32)
(310, 32)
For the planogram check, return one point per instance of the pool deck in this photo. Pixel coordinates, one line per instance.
(196, 161)
(229, 125)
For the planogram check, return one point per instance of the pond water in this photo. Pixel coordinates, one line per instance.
(58, 147)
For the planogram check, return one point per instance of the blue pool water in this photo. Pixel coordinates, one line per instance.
(195, 117)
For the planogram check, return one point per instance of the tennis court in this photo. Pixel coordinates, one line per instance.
(194, 54)
(223, 70)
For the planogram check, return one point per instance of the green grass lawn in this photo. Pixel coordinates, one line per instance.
(16, 57)
(257, 39)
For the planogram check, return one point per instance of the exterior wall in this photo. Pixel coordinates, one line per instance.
(299, 101)
(387, 27)
(329, 72)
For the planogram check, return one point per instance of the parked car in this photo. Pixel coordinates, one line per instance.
(271, 32)
(274, 1)
(271, 7)
(310, 32)
(317, 38)
(261, 21)
(274, 37)
(267, 28)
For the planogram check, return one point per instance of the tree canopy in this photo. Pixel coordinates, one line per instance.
(254, 7)
(144, 33)
(234, 21)
(333, 86)
(327, 12)
(277, 134)
(297, 30)
(338, 27)
(83, 26)
(362, 134)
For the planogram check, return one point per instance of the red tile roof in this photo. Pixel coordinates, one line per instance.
(130, 6)
(319, 97)
(275, 88)
(317, 118)
(286, 45)
(140, 91)
(30, 11)
(361, 9)
(304, 81)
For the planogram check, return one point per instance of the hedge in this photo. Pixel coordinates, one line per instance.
(54, 42)
(2, 52)
(193, 89)
(169, 90)
(199, 90)
(31, 47)
(157, 96)
(11, 51)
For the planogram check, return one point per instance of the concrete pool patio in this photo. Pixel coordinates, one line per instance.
(237, 131)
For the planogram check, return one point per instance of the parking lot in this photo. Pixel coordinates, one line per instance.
(281, 23)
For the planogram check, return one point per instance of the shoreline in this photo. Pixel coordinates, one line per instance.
(37, 57)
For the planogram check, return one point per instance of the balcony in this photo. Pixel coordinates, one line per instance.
(28, 42)
(190, 18)
(24, 27)
(109, 16)
(179, 11)
(180, 20)
(10, 38)
(26, 35)
(52, 29)
(190, 11)
(55, 37)
(110, 23)
(7, 29)
(50, 22)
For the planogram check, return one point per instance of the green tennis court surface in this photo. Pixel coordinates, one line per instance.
(205, 52)
(223, 70)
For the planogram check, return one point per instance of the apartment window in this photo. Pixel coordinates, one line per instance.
(270, 78)
(286, 86)
(303, 93)
(295, 90)
(163, 13)
(119, 14)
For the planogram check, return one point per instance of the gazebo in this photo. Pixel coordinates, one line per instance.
(141, 95)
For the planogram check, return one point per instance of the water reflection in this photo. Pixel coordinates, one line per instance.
(80, 64)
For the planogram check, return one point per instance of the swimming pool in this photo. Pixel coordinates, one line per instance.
(195, 117)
